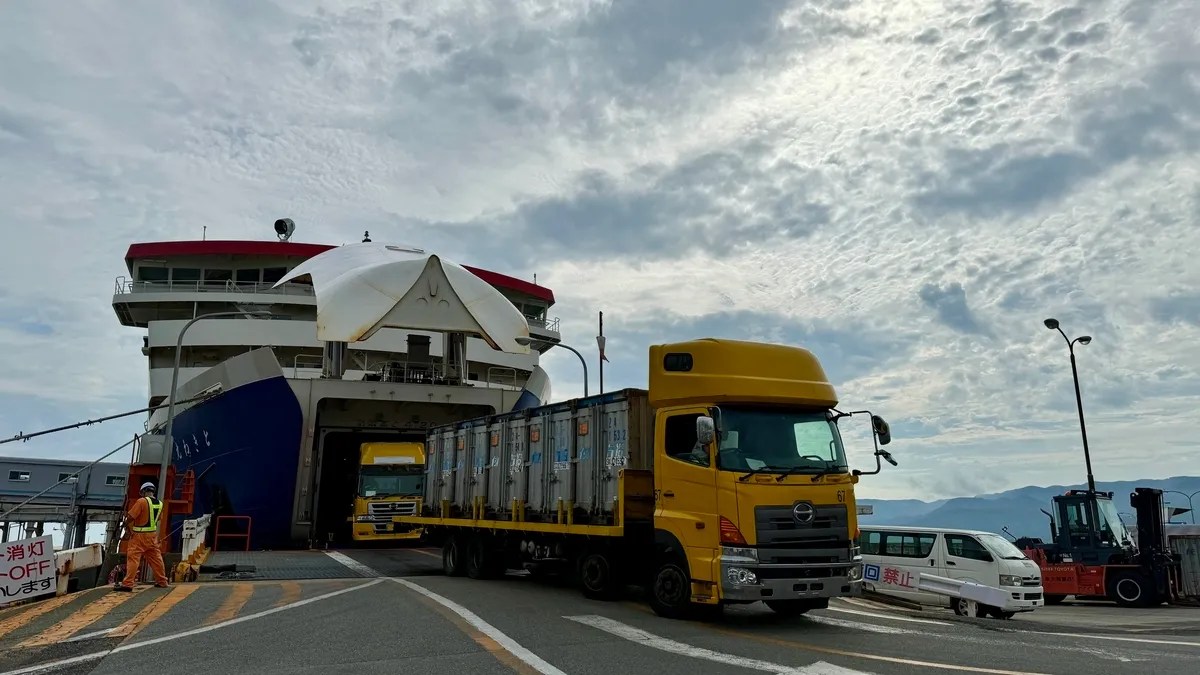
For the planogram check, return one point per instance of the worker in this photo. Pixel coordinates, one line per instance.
(142, 520)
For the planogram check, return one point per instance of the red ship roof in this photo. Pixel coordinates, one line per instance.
(177, 249)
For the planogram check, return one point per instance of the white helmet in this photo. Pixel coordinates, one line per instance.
(146, 486)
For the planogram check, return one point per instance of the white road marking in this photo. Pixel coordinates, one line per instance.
(890, 617)
(353, 564)
(869, 627)
(532, 660)
(94, 656)
(648, 639)
(88, 636)
(1184, 643)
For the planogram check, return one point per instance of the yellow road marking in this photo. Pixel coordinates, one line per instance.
(233, 604)
(428, 553)
(12, 623)
(491, 646)
(154, 610)
(78, 620)
(291, 593)
(873, 657)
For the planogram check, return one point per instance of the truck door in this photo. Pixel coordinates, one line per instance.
(685, 488)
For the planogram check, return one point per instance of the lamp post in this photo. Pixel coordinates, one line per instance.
(170, 441)
(1189, 498)
(527, 341)
(1052, 324)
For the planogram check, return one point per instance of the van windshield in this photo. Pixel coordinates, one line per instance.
(1001, 547)
(796, 441)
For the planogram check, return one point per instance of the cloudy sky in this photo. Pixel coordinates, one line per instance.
(906, 188)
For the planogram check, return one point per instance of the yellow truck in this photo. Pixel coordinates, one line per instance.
(391, 477)
(724, 482)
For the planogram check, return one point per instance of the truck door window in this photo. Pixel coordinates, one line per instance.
(680, 433)
(962, 546)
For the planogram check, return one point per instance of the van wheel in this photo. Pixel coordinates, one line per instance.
(452, 557)
(670, 591)
(960, 608)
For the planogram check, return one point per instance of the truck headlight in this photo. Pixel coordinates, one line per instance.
(739, 554)
(363, 519)
(855, 572)
(740, 576)
(1010, 580)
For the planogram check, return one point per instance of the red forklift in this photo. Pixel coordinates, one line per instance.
(1092, 555)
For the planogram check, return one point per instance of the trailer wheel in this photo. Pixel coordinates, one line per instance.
(481, 561)
(452, 555)
(670, 591)
(598, 577)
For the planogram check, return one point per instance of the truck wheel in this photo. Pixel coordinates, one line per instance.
(481, 562)
(670, 591)
(598, 577)
(1129, 589)
(452, 557)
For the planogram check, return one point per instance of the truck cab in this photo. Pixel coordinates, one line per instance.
(391, 478)
(752, 485)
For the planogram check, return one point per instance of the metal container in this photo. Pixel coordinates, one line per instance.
(1188, 548)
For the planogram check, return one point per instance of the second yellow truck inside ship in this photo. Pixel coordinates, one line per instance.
(724, 482)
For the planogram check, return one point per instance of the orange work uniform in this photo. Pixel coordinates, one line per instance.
(143, 518)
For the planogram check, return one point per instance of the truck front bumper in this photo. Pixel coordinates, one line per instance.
(744, 579)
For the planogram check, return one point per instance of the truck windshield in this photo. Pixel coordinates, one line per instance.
(797, 441)
(382, 481)
(1001, 547)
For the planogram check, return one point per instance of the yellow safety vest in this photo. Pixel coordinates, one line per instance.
(155, 511)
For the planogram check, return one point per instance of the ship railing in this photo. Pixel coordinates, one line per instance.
(543, 322)
(126, 286)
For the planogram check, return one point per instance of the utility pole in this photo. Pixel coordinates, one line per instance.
(600, 344)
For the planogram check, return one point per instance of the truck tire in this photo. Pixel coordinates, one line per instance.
(599, 578)
(670, 590)
(452, 556)
(482, 560)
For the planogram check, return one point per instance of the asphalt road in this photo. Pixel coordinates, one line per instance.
(421, 622)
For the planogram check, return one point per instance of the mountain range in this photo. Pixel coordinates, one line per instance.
(1018, 509)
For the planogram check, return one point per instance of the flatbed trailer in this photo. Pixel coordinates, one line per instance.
(725, 482)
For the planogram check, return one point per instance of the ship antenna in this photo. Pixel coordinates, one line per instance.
(366, 237)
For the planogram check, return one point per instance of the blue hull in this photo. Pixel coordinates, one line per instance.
(244, 447)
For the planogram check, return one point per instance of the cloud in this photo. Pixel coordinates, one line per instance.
(906, 190)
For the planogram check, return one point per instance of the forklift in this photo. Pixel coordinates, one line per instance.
(1093, 556)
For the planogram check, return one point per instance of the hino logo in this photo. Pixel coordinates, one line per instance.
(803, 512)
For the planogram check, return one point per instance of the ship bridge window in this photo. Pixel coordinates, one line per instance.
(219, 276)
(272, 274)
(153, 273)
(185, 274)
(19, 476)
(248, 276)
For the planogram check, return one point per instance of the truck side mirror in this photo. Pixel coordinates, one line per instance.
(706, 430)
(882, 430)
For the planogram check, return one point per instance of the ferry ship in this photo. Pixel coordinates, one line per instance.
(277, 435)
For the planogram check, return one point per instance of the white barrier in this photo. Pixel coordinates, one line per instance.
(974, 593)
(73, 560)
(195, 531)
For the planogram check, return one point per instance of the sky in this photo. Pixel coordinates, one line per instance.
(906, 189)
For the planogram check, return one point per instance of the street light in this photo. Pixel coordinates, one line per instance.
(170, 442)
(1189, 498)
(1052, 324)
(527, 341)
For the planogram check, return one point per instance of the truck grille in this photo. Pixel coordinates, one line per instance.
(392, 508)
(829, 528)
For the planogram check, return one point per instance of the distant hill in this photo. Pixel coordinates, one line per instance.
(1016, 509)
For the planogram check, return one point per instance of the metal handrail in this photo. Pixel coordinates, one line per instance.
(124, 286)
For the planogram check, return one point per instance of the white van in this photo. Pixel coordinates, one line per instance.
(894, 558)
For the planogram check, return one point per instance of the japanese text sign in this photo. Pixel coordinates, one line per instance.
(27, 568)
